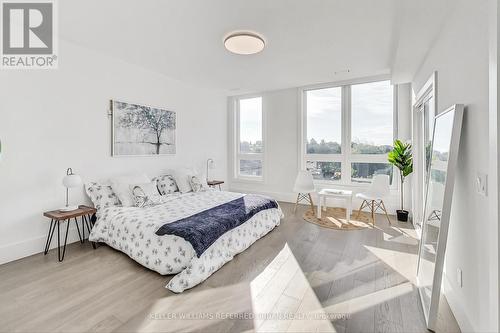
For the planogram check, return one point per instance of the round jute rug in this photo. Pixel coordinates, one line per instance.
(334, 218)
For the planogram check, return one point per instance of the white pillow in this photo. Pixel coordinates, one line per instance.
(148, 189)
(121, 186)
(182, 177)
(198, 183)
(145, 194)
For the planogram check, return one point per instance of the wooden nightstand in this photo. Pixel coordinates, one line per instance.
(58, 217)
(213, 183)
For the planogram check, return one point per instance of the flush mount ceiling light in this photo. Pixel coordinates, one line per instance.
(244, 43)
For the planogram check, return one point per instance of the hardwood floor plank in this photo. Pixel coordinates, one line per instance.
(411, 311)
(277, 323)
(361, 319)
(108, 324)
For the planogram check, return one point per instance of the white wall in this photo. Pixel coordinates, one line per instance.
(493, 180)
(54, 119)
(460, 56)
(282, 118)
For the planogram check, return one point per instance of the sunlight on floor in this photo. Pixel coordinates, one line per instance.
(279, 299)
(403, 261)
(401, 238)
(201, 310)
(361, 303)
(283, 299)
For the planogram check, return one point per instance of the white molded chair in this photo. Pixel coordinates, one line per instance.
(304, 186)
(373, 197)
(436, 203)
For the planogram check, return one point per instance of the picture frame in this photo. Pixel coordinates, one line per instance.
(142, 130)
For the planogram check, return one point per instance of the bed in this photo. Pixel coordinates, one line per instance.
(133, 231)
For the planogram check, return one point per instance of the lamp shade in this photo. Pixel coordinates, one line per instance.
(72, 181)
(304, 182)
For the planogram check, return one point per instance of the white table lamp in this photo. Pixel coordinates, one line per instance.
(210, 165)
(69, 181)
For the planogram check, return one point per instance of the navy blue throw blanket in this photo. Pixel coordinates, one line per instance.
(204, 228)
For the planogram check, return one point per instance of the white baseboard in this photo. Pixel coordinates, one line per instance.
(456, 307)
(35, 245)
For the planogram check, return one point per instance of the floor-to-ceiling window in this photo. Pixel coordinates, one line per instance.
(347, 131)
(250, 143)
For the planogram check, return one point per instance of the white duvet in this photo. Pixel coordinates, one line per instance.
(132, 231)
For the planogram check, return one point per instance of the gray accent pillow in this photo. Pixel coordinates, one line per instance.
(166, 184)
(102, 195)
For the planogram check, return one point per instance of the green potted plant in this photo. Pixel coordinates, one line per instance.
(401, 157)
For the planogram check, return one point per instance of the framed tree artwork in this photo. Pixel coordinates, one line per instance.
(140, 130)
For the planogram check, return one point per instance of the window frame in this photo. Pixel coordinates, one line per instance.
(346, 157)
(428, 93)
(237, 146)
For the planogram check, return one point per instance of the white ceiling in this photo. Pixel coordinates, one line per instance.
(417, 25)
(307, 41)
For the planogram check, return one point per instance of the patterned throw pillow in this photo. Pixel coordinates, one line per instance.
(101, 195)
(196, 184)
(145, 195)
(166, 184)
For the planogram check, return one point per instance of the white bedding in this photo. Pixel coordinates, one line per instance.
(132, 231)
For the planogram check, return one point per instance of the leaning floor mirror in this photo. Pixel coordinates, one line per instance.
(440, 183)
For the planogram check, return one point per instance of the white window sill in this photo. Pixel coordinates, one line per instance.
(359, 186)
(249, 180)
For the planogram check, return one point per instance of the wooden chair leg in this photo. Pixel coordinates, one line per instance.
(360, 208)
(296, 203)
(373, 212)
(311, 202)
(385, 211)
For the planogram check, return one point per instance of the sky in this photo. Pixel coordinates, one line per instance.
(372, 116)
(371, 119)
(442, 138)
(324, 114)
(251, 119)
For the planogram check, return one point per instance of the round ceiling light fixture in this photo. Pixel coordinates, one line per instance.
(244, 43)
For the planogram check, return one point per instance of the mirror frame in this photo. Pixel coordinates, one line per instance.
(431, 317)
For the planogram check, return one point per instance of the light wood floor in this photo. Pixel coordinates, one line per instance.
(301, 277)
